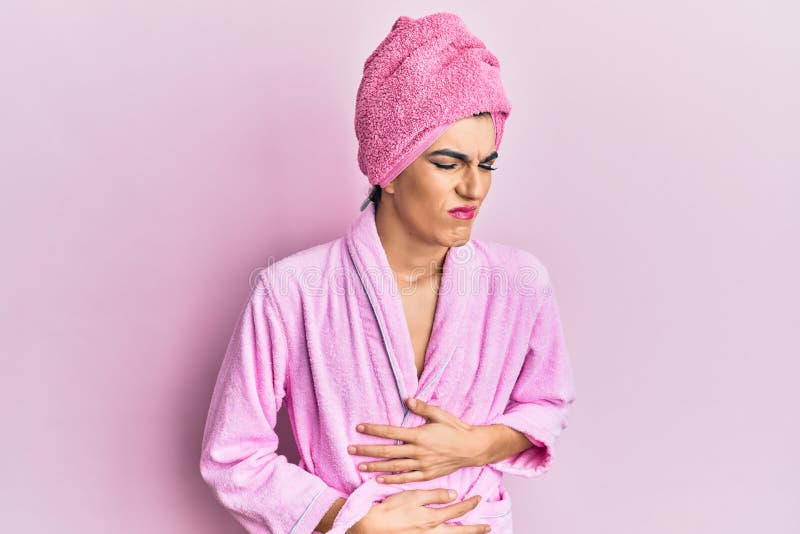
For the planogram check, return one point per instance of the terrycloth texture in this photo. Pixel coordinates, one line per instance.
(324, 330)
(426, 74)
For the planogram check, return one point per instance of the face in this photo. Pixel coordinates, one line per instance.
(455, 171)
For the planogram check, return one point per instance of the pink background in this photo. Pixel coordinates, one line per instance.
(154, 154)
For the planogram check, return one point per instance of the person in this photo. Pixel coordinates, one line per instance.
(418, 363)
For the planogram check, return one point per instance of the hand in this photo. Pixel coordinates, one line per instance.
(443, 445)
(405, 513)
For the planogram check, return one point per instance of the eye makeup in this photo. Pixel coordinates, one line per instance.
(453, 165)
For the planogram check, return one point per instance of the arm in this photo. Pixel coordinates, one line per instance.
(326, 523)
(540, 400)
(497, 442)
(261, 489)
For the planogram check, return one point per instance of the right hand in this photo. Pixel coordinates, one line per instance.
(405, 513)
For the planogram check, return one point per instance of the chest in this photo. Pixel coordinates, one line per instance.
(419, 305)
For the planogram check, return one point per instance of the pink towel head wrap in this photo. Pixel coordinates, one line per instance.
(426, 74)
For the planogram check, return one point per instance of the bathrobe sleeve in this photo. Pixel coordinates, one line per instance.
(542, 395)
(261, 489)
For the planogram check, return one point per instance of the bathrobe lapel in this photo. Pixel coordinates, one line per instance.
(456, 291)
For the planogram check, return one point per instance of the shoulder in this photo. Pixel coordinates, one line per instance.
(290, 275)
(512, 259)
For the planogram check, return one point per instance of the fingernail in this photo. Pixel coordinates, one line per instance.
(362, 467)
(488, 529)
(360, 428)
(351, 449)
(412, 402)
(452, 494)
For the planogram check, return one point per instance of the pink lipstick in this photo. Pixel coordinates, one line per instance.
(463, 212)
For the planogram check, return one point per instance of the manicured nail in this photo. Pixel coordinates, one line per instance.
(363, 467)
(412, 402)
(452, 494)
(351, 449)
(488, 529)
(380, 479)
(360, 428)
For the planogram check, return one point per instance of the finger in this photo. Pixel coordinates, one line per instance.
(452, 511)
(428, 411)
(409, 476)
(384, 451)
(393, 466)
(387, 431)
(465, 529)
(432, 412)
(433, 496)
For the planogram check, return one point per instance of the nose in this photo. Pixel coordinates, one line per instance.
(474, 183)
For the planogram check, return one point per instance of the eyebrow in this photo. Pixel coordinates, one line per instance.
(459, 155)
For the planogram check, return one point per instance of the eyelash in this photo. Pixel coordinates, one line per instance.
(452, 165)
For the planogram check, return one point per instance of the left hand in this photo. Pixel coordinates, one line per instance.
(442, 445)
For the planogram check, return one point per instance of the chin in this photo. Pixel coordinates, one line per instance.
(457, 241)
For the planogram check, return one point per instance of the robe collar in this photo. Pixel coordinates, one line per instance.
(456, 293)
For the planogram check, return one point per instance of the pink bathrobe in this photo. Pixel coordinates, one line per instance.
(324, 330)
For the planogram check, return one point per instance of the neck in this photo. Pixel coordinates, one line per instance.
(411, 259)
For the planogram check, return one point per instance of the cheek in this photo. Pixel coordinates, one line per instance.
(426, 208)
(427, 196)
(426, 192)
(438, 187)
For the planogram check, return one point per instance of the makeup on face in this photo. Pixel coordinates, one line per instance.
(463, 212)
(463, 157)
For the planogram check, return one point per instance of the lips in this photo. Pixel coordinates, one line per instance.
(463, 212)
(462, 209)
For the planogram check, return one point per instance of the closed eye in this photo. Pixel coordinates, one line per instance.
(452, 166)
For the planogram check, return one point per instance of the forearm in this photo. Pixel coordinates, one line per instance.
(498, 442)
(326, 523)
